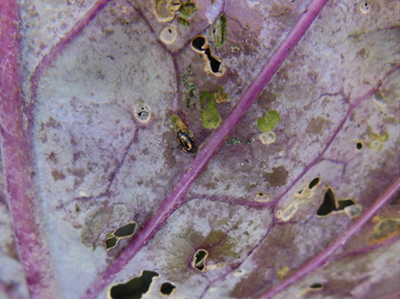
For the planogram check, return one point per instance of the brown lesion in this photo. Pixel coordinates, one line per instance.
(57, 175)
(318, 125)
(278, 176)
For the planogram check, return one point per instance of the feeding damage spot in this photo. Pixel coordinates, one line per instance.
(383, 230)
(315, 287)
(213, 64)
(120, 233)
(267, 138)
(168, 34)
(199, 262)
(142, 112)
(217, 31)
(134, 288)
(262, 197)
(266, 125)
(300, 198)
(283, 273)
(365, 7)
(377, 141)
(330, 205)
(167, 289)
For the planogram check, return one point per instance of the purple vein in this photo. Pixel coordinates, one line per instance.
(322, 257)
(171, 203)
(17, 156)
(49, 58)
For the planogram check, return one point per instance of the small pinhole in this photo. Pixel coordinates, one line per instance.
(316, 286)
(313, 183)
(359, 145)
(167, 288)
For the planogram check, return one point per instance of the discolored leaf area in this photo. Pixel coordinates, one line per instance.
(96, 189)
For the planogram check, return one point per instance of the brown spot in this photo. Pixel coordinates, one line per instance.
(52, 123)
(57, 176)
(318, 125)
(278, 176)
(266, 98)
(79, 172)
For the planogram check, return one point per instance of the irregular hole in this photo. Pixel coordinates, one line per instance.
(316, 286)
(134, 288)
(168, 34)
(328, 204)
(167, 288)
(199, 260)
(199, 44)
(359, 145)
(344, 203)
(126, 230)
(142, 112)
(214, 63)
(110, 243)
(313, 183)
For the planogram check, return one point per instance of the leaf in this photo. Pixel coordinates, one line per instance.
(93, 94)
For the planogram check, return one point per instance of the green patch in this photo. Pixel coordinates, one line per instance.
(187, 10)
(184, 22)
(268, 122)
(217, 32)
(234, 141)
(190, 86)
(209, 113)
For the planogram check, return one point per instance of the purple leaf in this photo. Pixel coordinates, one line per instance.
(99, 195)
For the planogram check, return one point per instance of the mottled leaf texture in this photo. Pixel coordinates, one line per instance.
(202, 149)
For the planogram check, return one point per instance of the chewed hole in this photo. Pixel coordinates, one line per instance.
(126, 230)
(200, 259)
(365, 7)
(142, 112)
(359, 145)
(313, 183)
(134, 288)
(168, 34)
(198, 44)
(110, 243)
(328, 204)
(316, 286)
(345, 203)
(167, 288)
(214, 63)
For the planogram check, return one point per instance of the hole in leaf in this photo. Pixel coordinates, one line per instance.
(214, 63)
(167, 288)
(199, 260)
(134, 288)
(126, 230)
(328, 204)
(345, 203)
(110, 243)
(316, 286)
(142, 112)
(198, 43)
(359, 145)
(313, 183)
